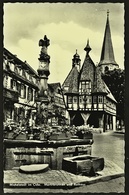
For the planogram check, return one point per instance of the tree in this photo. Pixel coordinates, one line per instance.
(115, 80)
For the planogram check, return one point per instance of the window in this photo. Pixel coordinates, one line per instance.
(23, 73)
(94, 99)
(16, 70)
(86, 87)
(19, 88)
(100, 99)
(70, 100)
(30, 78)
(13, 84)
(30, 94)
(80, 99)
(20, 71)
(12, 66)
(75, 99)
(23, 91)
(89, 99)
(6, 81)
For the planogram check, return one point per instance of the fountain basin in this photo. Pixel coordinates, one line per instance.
(83, 164)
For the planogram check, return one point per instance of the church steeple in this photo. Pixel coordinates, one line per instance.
(107, 60)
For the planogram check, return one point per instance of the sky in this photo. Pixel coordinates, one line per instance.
(68, 26)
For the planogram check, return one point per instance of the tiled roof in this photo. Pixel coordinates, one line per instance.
(110, 94)
(87, 70)
(54, 86)
(72, 81)
(99, 84)
(24, 65)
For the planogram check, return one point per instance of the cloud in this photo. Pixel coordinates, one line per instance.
(68, 26)
(21, 18)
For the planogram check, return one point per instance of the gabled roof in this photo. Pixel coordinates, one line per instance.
(99, 84)
(25, 65)
(88, 67)
(87, 70)
(73, 85)
(72, 81)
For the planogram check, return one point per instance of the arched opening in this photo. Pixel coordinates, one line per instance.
(93, 120)
(78, 120)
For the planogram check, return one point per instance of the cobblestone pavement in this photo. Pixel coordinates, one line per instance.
(111, 146)
(62, 180)
(61, 177)
(107, 145)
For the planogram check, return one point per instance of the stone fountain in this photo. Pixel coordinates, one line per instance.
(58, 154)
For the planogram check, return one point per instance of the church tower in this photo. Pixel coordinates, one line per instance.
(107, 59)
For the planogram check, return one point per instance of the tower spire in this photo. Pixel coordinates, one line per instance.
(107, 58)
(76, 61)
(87, 48)
(108, 13)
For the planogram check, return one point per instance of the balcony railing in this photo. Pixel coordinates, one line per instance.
(10, 95)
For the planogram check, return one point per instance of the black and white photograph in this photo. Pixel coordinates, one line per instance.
(63, 97)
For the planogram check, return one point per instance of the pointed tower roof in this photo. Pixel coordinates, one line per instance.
(107, 53)
(88, 67)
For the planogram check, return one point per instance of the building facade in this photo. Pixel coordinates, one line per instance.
(22, 88)
(20, 85)
(57, 107)
(88, 99)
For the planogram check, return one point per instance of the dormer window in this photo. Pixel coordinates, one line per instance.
(85, 87)
(20, 71)
(11, 66)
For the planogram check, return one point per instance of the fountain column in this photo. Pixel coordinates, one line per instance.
(43, 72)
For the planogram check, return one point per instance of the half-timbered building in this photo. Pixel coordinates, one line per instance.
(20, 92)
(88, 99)
(20, 85)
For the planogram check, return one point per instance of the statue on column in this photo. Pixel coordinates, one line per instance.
(43, 72)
